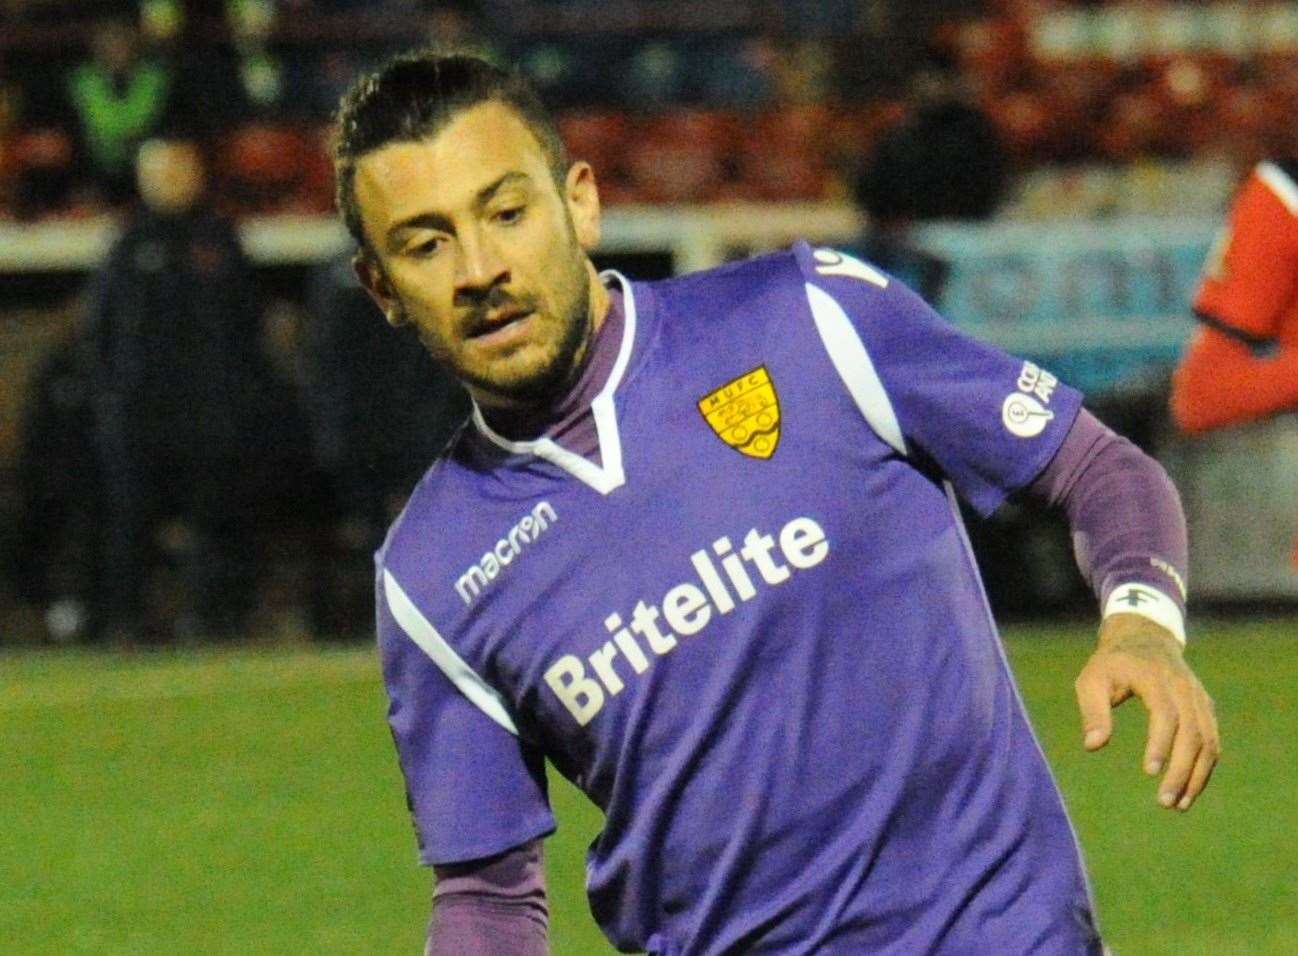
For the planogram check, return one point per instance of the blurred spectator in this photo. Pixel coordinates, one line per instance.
(119, 96)
(380, 407)
(161, 21)
(174, 330)
(57, 561)
(945, 161)
(381, 411)
(1242, 364)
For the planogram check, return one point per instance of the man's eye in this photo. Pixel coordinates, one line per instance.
(426, 247)
(510, 215)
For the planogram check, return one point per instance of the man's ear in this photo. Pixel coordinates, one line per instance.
(582, 196)
(376, 283)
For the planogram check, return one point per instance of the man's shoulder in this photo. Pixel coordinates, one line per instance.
(749, 292)
(442, 491)
(780, 297)
(790, 268)
(738, 278)
(1277, 179)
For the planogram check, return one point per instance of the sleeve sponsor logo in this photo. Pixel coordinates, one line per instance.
(1024, 416)
(1024, 412)
(1034, 380)
(745, 413)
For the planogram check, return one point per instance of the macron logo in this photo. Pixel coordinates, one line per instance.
(529, 527)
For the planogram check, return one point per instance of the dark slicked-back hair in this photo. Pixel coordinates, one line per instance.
(415, 95)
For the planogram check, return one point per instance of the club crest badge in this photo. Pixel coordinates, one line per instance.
(745, 413)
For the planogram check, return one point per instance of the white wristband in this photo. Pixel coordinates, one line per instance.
(1147, 601)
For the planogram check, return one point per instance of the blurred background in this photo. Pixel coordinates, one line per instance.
(205, 426)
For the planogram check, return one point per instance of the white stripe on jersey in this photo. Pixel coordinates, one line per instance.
(419, 630)
(1286, 189)
(608, 476)
(854, 366)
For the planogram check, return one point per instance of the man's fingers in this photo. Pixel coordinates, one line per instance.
(1185, 754)
(1094, 694)
(1208, 755)
(1163, 720)
(1203, 769)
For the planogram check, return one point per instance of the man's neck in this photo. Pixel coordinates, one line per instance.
(562, 415)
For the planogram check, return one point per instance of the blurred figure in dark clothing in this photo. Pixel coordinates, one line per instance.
(174, 331)
(945, 161)
(57, 558)
(381, 411)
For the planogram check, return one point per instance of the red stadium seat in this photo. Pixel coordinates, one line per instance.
(785, 155)
(853, 131)
(682, 157)
(1024, 122)
(41, 162)
(317, 192)
(264, 168)
(599, 138)
(992, 53)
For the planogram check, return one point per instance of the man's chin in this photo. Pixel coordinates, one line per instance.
(530, 389)
(535, 373)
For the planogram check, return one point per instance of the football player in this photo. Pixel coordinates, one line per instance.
(699, 547)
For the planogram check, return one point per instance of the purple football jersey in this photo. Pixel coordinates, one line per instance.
(750, 629)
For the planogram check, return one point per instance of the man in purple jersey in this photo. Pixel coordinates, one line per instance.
(699, 547)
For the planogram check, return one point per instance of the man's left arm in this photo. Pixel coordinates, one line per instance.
(1129, 536)
(993, 425)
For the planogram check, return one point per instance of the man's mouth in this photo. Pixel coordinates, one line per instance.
(498, 323)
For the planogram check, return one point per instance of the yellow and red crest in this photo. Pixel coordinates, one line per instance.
(745, 413)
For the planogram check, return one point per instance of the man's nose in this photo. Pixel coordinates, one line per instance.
(479, 264)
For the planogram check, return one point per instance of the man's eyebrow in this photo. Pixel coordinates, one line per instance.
(433, 220)
(509, 179)
(423, 220)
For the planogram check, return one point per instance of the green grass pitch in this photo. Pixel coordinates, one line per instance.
(247, 801)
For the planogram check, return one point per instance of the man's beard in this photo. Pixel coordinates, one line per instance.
(548, 383)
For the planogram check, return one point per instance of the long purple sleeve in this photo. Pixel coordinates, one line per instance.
(1126, 519)
(493, 907)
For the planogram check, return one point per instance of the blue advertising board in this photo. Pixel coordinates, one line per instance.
(1104, 305)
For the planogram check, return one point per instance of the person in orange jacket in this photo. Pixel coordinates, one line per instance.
(1242, 363)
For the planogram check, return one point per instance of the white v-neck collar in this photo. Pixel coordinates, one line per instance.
(607, 476)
